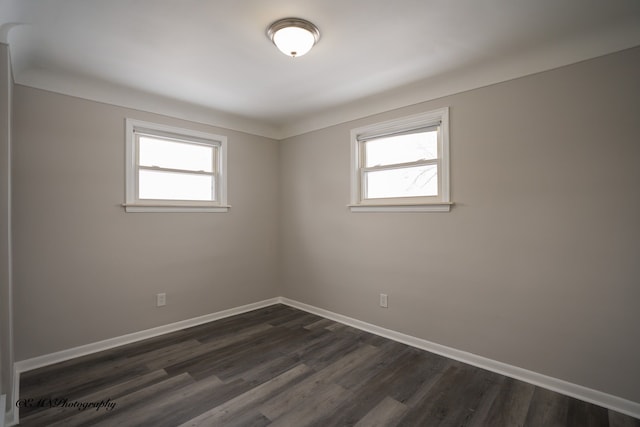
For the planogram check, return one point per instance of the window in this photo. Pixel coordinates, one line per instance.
(174, 170)
(402, 165)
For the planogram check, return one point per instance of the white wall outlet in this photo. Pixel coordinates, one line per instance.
(161, 299)
(384, 301)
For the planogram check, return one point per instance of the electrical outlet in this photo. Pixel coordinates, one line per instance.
(161, 299)
(384, 301)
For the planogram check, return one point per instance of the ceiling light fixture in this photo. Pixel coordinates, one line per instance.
(293, 36)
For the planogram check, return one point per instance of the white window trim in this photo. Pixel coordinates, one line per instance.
(132, 204)
(441, 204)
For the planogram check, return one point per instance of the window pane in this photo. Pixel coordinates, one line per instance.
(175, 155)
(401, 149)
(175, 186)
(403, 182)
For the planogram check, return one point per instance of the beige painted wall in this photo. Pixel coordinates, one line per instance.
(85, 270)
(537, 265)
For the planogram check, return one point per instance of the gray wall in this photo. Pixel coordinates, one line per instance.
(537, 265)
(84, 270)
(6, 348)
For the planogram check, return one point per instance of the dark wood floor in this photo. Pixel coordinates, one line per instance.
(279, 366)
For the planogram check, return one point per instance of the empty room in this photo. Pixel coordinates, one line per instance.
(320, 213)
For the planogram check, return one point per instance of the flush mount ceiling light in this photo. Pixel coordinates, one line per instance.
(293, 36)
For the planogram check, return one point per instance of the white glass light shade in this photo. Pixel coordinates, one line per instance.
(293, 36)
(294, 41)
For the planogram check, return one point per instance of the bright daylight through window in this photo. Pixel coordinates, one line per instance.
(402, 165)
(174, 170)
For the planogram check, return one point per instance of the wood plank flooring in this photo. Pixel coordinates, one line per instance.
(279, 366)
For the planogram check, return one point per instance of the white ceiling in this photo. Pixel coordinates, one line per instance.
(210, 61)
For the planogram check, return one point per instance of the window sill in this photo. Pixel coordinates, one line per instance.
(128, 207)
(423, 207)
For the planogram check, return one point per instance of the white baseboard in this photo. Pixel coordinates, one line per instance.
(596, 397)
(61, 356)
(574, 390)
(83, 350)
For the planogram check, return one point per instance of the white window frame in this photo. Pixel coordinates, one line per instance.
(440, 203)
(136, 128)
